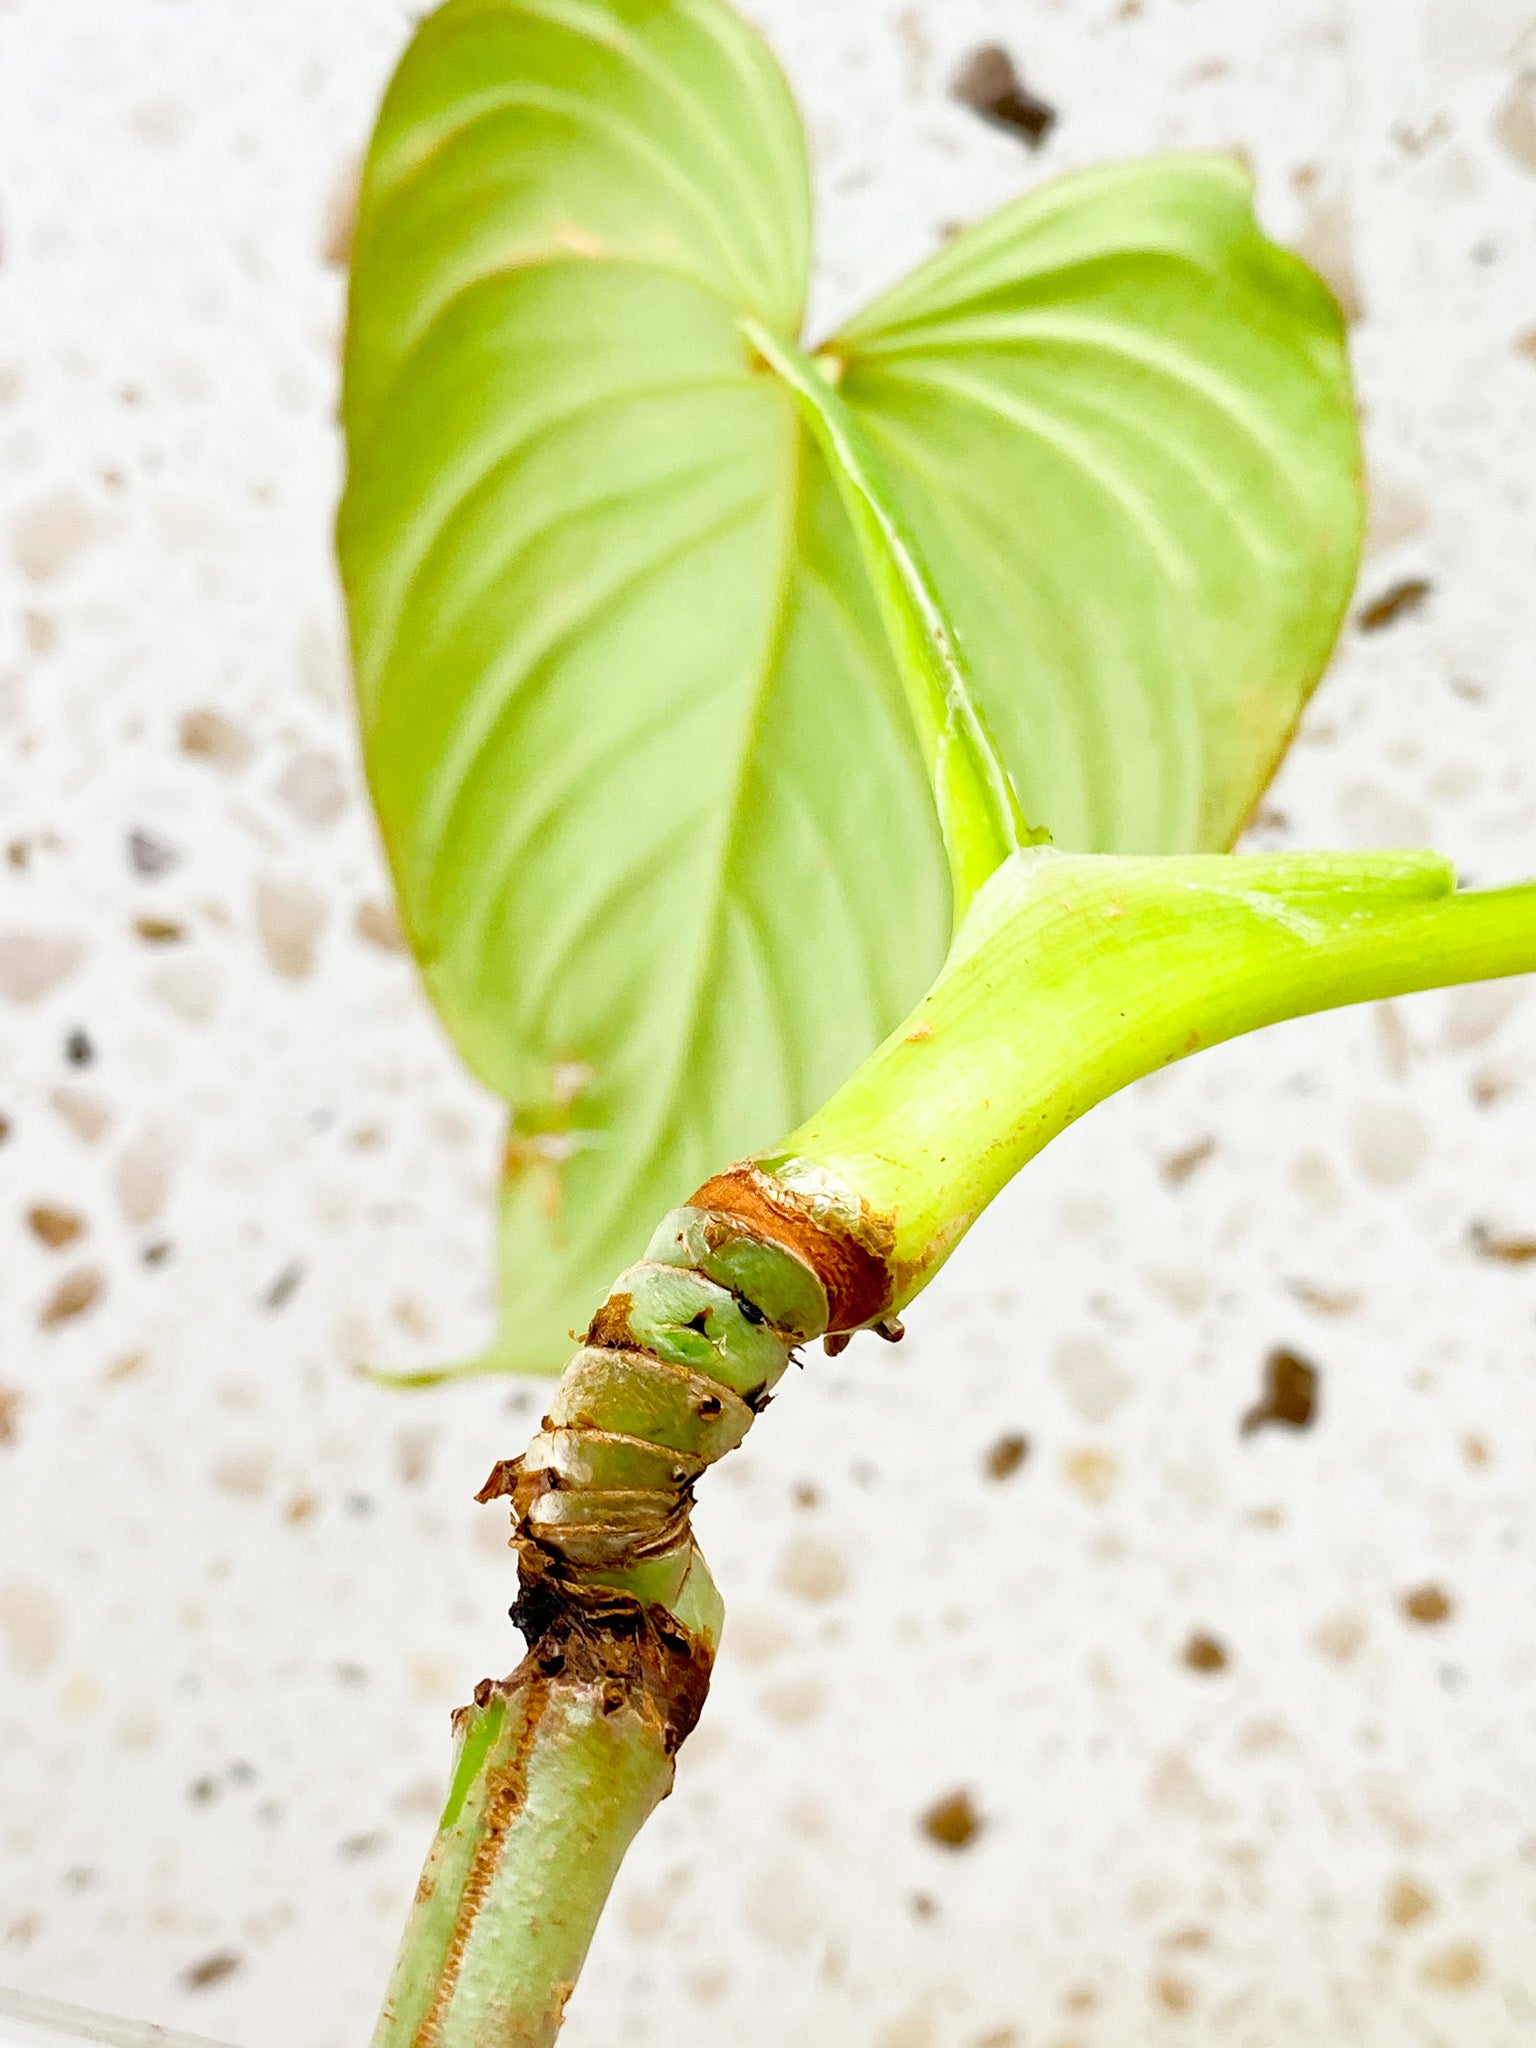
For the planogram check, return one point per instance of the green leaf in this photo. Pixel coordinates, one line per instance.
(658, 817)
(1118, 422)
(640, 758)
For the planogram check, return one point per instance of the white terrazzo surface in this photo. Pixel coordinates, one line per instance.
(240, 1586)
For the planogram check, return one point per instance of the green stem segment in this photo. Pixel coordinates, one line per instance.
(559, 1764)
(550, 1788)
(978, 807)
(1069, 977)
(1076, 974)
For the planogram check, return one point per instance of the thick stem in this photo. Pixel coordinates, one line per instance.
(554, 1777)
(559, 1764)
(1075, 974)
(1070, 976)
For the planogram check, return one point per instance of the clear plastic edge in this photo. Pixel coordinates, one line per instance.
(28, 2022)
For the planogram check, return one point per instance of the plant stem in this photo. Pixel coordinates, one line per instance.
(1075, 974)
(1070, 976)
(559, 1764)
(978, 807)
(551, 1786)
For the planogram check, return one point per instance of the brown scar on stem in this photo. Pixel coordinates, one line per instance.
(596, 1638)
(580, 1641)
(596, 1635)
(506, 1795)
(592, 1639)
(853, 1268)
(502, 1482)
(609, 1329)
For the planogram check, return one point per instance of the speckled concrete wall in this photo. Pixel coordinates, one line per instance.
(1055, 1711)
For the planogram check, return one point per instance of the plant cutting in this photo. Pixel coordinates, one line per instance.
(807, 774)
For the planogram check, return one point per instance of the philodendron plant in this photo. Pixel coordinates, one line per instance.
(840, 742)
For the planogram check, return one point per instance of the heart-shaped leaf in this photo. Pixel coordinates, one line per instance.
(1119, 423)
(658, 819)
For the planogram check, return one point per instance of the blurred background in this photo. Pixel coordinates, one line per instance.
(1143, 1651)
